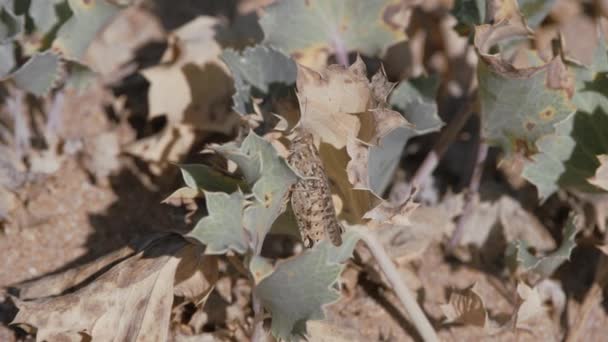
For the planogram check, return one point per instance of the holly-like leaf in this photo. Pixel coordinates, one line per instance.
(312, 30)
(270, 178)
(222, 230)
(39, 74)
(545, 266)
(46, 14)
(416, 100)
(88, 18)
(519, 106)
(569, 157)
(299, 287)
(254, 71)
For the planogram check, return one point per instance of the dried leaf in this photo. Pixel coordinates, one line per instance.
(329, 99)
(130, 301)
(465, 307)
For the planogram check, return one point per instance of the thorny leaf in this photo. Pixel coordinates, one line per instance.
(519, 106)
(39, 74)
(545, 266)
(132, 300)
(299, 287)
(44, 14)
(569, 158)
(414, 98)
(373, 134)
(88, 18)
(269, 177)
(254, 71)
(222, 229)
(333, 27)
(329, 100)
(465, 307)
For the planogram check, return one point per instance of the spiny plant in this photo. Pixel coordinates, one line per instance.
(360, 127)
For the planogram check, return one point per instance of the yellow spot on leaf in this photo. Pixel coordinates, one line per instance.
(547, 114)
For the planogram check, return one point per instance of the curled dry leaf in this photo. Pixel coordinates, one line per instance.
(329, 99)
(519, 105)
(347, 115)
(129, 298)
(465, 307)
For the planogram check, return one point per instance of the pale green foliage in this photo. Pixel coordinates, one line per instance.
(254, 71)
(88, 17)
(415, 99)
(365, 26)
(299, 287)
(545, 266)
(517, 110)
(68, 26)
(222, 230)
(269, 177)
(473, 12)
(39, 74)
(569, 157)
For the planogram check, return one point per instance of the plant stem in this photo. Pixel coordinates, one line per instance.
(471, 194)
(258, 335)
(415, 313)
(447, 137)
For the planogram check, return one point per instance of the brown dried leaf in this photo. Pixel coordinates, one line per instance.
(329, 99)
(465, 307)
(129, 302)
(192, 86)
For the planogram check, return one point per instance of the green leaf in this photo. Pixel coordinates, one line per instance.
(45, 14)
(569, 157)
(546, 265)
(470, 13)
(518, 105)
(39, 74)
(88, 18)
(254, 71)
(308, 30)
(270, 177)
(535, 11)
(415, 99)
(222, 230)
(11, 25)
(7, 59)
(299, 287)
(202, 177)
